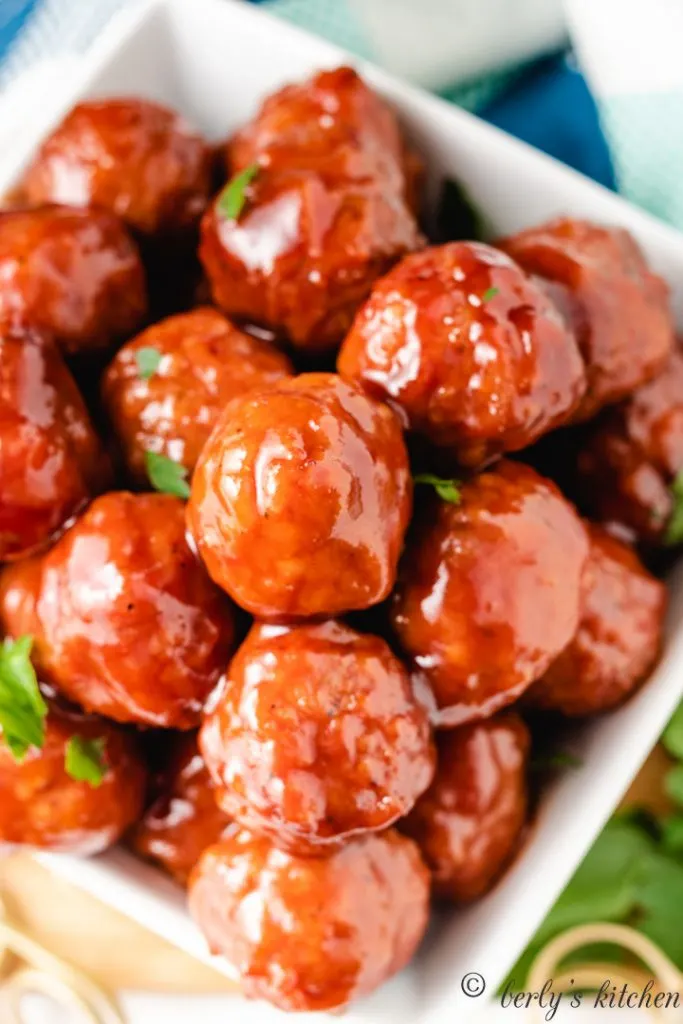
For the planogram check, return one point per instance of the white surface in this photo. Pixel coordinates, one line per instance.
(440, 42)
(214, 61)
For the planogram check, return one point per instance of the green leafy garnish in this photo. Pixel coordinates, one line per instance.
(674, 530)
(167, 476)
(22, 708)
(489, 294)
(84, 760)
(672, 834)
(673, 784)
(448, 490)
(233, 197)
(148, 360)
(673, 735)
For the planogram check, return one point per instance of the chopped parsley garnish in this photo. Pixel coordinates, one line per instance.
(489, 294)
(148, 360)
(448, 490)
(22, 708)
(674, 529)
(167, 476)
(233, 197)
(84, 760)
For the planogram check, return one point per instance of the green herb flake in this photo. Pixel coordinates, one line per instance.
(448, 490)
(147, 360)
(167, 476)
(22, 708)
(84, 760)
(489, 294)
(674, 530)
(233, 197)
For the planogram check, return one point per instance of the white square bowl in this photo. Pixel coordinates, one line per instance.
(215, 60)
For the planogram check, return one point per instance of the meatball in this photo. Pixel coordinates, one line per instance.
(316, 736)
(633, 456)
(165, 389)
(328, 210)
(133, 157)
(471, 352)
(619, 635)
(42, 806)
(301, 498)
(489, 591)
(185, 819)
(74, 273)
(309, 933)
(617, 306)
(51, 461)
(128, 624)
(469, 822)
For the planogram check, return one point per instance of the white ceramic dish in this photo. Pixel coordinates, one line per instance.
(214, 60)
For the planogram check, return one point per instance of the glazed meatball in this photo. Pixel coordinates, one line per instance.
(618, 308)
(42, 806)
(489, 591)
(185, 819)
(301, 498)
(165, 389)
(316, 736)
(127, 623)
(619, 635)
(471, 352)
(309, 933)
(469, 822)
(74, 273)
(132, 157)
(328, 211)
(632, 457)
(51, 461)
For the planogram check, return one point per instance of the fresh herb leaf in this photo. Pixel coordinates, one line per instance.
(674, 530)
(448, 490)
(84, 760)
(22, 708)
(660, 898)
(233, 197)
(167, 476)
(560, 759)
(147, 359)
(673, 784)
(673, 735)
(672, 834)
(489, 294)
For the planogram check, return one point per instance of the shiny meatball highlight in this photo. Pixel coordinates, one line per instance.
(185, 819)
(316, 736)
(199, 362)
(137, 159)
(489, 591)
(470, 351)
(301, 498)
(618, 308)
(470, 821)
(619, 636)
(327, 212)
(74, 273)
(312, 933)
(128, 624)
(51, 461)
(42, 806)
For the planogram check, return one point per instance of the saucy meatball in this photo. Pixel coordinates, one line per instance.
(165, 389)
(470, 821)
(51, 461)
(619, 635)
(74, 273)
(185, 819)
(41, 805)
(468, 349)
(489, 591)
(301, 498)
(316, 736)
(618, 308)
(328, 210)
(632, 458)
(127, 623)
(309, 933)
(132, 157)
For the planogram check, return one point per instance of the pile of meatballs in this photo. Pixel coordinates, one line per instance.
(270, 521)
